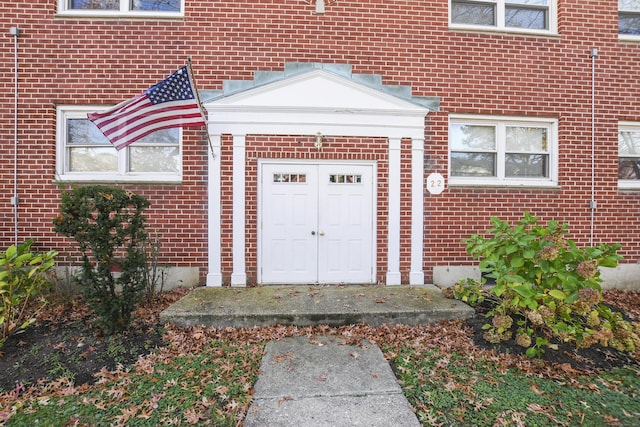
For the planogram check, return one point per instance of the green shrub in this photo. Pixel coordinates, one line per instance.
(547, 289)
(109, 227)
(22, 276)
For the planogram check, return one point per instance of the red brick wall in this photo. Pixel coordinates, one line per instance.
(104, 61)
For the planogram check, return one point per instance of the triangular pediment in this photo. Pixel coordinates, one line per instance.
(311, 98)
(317, 89)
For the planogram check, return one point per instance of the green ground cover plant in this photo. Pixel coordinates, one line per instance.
(22, 278)
(208, 386)
(449, 389)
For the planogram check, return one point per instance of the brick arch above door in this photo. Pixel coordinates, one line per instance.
(307, 99)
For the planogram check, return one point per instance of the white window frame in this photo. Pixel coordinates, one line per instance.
(124, 12)
(628, 37)
(63, 173)
(501, 122)
(500, 17)
(628, 184)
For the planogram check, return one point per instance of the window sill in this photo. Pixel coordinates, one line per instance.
(506, 186)
(629, 38)
(503, 31)
(634, 186)
(120, 179)
(93, 14)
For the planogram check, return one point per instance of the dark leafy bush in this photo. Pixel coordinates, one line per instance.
(109, 227)
(547, 289)
(23, 275)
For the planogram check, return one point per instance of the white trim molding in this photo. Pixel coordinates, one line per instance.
(214, 275)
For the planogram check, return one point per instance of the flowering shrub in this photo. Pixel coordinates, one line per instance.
(547, 289)
(109, 227)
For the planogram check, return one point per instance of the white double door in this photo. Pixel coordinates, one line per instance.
(316, 223)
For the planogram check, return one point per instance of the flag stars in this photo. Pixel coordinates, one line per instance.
(175, 87)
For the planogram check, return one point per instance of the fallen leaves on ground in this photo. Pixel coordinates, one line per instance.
(232, 357)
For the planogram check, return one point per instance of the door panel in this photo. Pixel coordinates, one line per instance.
(345, 224)
(317, 223)
(289, 215)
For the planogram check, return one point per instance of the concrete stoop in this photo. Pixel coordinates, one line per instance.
(314, 305)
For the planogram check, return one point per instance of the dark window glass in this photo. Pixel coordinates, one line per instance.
(473, 164)
(156, 5)
(629, 23)
(526, 165)
(523, 17)
(95, 4)
(473, 13)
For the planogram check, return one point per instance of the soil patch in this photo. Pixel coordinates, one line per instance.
(588, 359)
(63, 343)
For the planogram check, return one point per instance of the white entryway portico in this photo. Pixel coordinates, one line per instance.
(326, 100)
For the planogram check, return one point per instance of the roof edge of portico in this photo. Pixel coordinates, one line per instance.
(373, 81)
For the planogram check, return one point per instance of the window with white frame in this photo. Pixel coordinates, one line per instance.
(629, 155)
(629, 18)
(161, 8)
(502, 151)
(85, 154)
(537, 16)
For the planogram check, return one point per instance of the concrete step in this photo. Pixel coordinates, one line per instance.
(311, 305)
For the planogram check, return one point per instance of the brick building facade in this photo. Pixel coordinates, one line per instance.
(519, 105)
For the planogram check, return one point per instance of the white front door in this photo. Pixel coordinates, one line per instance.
(316, 223)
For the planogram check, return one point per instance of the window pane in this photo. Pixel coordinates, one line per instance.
(154, 159)
(628, 142)
(156, 5)
(522, 17)
(529, 2)
(473, 137)
(629, 23)
(473, 164)
(84, 132)
(95, 4)
(93, 159)
(463, 12)
(526, 139)
(161, 137)
(629, 168)
(629, 5)
(526, 165)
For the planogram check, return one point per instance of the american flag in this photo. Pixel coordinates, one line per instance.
(169, 104)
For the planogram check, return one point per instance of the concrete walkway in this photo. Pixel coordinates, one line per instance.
(314, 305)
(318, 381)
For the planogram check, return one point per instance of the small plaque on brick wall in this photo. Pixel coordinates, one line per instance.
(435, 183)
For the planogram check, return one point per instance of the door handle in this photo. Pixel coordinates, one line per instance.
(313, 233)
(321, 233)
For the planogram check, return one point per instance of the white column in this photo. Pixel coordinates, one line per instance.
(393, 232)
(416, 275)
(214, 275)
(239, 274)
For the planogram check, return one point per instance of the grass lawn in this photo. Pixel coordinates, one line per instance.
(199, 376)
